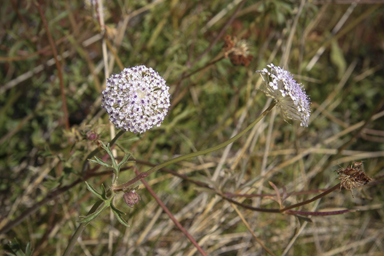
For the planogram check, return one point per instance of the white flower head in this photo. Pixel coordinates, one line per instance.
(289, 95)
(137, 99)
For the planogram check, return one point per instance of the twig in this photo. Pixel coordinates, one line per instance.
(58, 66)
(320, 213)
(313, 199)
(162, 205)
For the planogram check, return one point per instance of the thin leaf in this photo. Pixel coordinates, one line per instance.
(112, 206)
(108, 149)
(118, 216)
(103, 193)
(103, 145)
(101, 162)
(90, 188)
(92, 216)
(125, 159)
(28, 250)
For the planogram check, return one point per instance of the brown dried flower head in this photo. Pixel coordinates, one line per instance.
(353, 176)
(236, 51)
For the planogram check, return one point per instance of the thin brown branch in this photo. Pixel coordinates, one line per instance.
(247, 206)
(58, 66)
(162, 205)
(312, 199)
(320, 213)
(264, 195)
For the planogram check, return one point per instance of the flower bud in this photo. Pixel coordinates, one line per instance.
(131, 198)
(91, 136)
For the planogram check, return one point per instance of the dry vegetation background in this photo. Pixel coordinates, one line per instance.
(334, 49)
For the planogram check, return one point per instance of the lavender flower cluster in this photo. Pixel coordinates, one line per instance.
(137, 99)
(290, 97)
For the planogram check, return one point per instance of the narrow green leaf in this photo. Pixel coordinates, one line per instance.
(113, 207)
(118, 216)
(28, 250)
(93, 161)
(108, 149)
(92, 216)
(103, 145)
(101, 162)
(115, 167)
(90, 188)
(125, 159)
(103, 193)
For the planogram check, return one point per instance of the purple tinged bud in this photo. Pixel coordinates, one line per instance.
(131, 198)
(91, 136)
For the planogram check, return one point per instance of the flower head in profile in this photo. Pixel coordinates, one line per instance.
(290, 97)
(137, 99)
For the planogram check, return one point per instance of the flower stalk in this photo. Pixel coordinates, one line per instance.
(194, 154)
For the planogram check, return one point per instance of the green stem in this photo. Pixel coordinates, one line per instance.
(80, 230)
(94, 152)
(202, 152)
